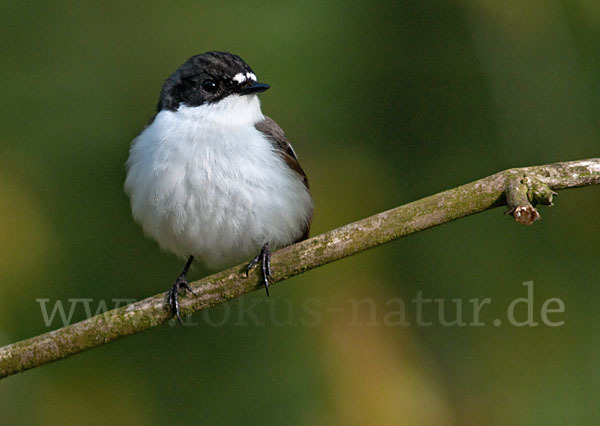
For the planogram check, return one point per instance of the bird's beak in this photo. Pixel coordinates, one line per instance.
(254, 88)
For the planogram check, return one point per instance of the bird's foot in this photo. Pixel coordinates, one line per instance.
(180, 283)
(264, 257)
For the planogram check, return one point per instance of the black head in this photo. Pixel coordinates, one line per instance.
(208, 78)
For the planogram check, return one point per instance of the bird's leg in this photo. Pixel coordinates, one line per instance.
(264, 257)
(180, 282)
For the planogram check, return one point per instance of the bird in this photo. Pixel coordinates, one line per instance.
(211, 177)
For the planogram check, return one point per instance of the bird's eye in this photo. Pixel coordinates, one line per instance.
(209, 85)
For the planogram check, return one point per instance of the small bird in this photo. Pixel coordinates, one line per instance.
(211, 177)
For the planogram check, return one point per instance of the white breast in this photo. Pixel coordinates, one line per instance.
(204, 182)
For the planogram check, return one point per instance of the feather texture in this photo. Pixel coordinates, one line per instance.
(204, 181)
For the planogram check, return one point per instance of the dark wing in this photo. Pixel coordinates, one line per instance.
(277, 137)
(273, 132)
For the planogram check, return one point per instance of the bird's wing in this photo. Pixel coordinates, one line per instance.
(282, 146)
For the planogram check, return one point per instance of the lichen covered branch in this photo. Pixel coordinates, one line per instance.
(520, 189)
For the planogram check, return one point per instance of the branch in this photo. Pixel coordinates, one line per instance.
(520, 189)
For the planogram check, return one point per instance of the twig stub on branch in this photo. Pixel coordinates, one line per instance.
(518, 202)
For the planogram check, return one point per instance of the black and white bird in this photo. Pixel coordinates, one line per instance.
(211, 177)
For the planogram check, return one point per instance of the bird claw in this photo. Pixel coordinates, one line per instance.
(264, 257)
(173, 295)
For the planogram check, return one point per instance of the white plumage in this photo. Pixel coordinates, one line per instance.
(204, 182)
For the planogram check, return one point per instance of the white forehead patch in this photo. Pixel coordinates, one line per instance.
(240, 78)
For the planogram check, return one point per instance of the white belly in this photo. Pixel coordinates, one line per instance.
(213, 192)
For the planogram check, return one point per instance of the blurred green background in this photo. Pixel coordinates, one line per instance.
(385, 102)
